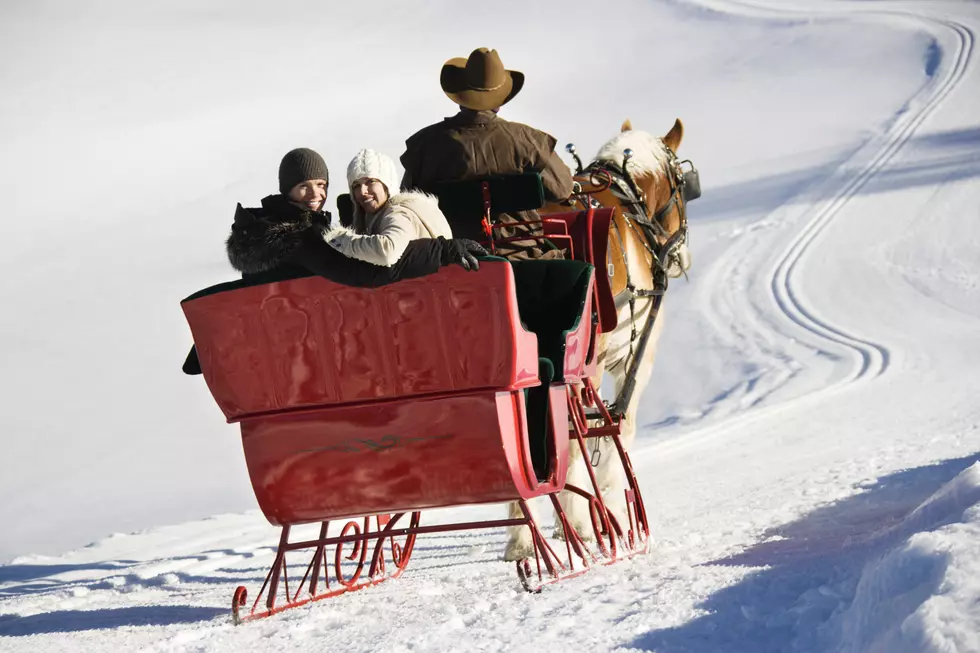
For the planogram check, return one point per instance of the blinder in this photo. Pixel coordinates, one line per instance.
(689, 181)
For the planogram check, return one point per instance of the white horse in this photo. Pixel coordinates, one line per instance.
(654, 170)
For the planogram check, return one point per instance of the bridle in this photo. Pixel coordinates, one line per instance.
(685, 186)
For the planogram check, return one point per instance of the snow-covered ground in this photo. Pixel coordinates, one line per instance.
(812, 434)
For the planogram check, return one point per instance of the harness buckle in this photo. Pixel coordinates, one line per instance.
(596, 454)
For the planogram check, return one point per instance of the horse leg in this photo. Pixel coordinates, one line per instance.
(576, 508)
(610, 473)
(519, 542)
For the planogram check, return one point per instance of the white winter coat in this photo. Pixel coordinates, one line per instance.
(381, 238)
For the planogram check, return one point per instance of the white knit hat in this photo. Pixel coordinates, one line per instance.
(369, 163)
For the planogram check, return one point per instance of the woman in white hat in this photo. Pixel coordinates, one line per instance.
(385, 220)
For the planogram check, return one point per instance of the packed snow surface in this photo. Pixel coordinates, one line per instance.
(809, 445)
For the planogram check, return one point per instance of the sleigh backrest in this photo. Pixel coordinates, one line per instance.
(306, 343)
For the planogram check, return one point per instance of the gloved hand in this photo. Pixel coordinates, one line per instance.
(462, 251)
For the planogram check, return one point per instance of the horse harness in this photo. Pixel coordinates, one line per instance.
(684, 185)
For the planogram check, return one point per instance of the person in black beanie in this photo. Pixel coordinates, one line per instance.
(284, 237)
(303, 178)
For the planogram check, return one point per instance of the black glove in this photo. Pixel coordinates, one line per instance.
(462, 251)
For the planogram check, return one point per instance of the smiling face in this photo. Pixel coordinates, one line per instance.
(310, 194)
(370, 194)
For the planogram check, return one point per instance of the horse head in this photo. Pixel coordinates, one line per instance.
(660, 181)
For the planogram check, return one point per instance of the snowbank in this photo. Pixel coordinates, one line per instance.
(923, 596)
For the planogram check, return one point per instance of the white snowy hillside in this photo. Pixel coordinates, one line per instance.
(810, 442)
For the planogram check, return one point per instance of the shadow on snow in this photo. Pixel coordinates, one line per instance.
(812, 568)
(70, 621)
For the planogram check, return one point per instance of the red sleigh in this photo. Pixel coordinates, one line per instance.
(360, 408)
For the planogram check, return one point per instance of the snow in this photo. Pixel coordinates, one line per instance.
(922, 595)
(811, 438)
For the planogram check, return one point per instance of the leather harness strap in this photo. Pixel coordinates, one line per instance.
(621, 187)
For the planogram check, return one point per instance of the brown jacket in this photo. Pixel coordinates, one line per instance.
(475, 144)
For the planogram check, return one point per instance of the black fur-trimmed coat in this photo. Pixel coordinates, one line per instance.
(280, 237)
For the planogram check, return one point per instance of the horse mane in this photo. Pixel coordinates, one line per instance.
(650, 155)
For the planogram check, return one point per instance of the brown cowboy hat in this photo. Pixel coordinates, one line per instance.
(480, 81)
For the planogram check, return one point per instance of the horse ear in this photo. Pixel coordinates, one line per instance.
(627, 126)
(674, 136)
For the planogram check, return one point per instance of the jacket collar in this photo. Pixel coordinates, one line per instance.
(470, 117)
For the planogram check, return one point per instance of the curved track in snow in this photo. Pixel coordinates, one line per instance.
(870, 358)
(873, 357)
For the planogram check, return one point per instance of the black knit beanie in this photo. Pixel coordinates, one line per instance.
(299, 165)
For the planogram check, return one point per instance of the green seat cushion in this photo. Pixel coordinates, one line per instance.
(538, 418)
(551, 297)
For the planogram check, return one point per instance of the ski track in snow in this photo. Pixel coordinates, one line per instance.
(873, 357)
(728, 277)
